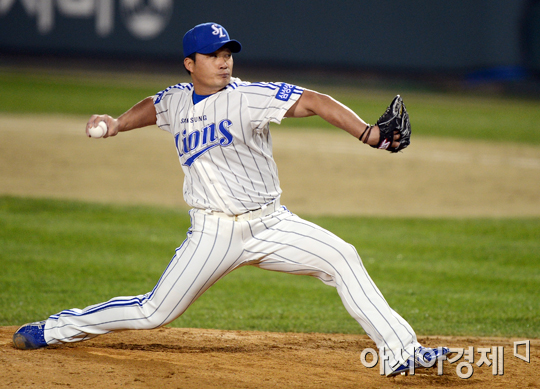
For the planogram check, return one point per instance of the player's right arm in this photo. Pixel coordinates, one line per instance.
(140, 115)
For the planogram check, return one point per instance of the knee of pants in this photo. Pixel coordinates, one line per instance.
(348, 257)
(163, 316)
(159, 312)
(349, 262)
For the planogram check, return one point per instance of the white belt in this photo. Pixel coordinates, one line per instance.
(265, 210)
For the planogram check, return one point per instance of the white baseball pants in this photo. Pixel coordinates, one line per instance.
(216, 246)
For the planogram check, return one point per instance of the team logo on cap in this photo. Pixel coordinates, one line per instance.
(218, 30)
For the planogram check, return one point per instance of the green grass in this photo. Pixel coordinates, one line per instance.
(42, 93)
(447, 277)
(457, 115)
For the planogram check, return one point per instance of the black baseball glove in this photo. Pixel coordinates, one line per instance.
(394, 119)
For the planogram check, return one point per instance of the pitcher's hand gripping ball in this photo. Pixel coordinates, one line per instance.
(99, 131)
(394, 120)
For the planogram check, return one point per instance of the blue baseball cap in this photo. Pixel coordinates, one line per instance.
(208, 37)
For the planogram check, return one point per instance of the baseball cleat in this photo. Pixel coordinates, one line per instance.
(403, 369)
(30, 336)
(424, 358)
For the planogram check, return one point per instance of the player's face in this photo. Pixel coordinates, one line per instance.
(211, 72)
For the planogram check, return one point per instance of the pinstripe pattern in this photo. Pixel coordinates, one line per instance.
(279, 242)
(241, 175)
(300, 247)
(225, 149)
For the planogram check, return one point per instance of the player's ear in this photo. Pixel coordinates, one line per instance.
(188, 64)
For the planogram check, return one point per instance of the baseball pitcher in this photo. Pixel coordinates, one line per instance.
(220, 127)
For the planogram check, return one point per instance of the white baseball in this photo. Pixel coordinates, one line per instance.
(99, 131)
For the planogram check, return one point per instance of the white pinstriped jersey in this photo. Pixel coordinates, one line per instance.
(224, 143)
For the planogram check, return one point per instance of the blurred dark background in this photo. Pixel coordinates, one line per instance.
(462, 42)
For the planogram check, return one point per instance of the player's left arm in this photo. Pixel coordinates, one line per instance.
(314, 103)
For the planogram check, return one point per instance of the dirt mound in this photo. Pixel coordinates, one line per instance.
(195, 358)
